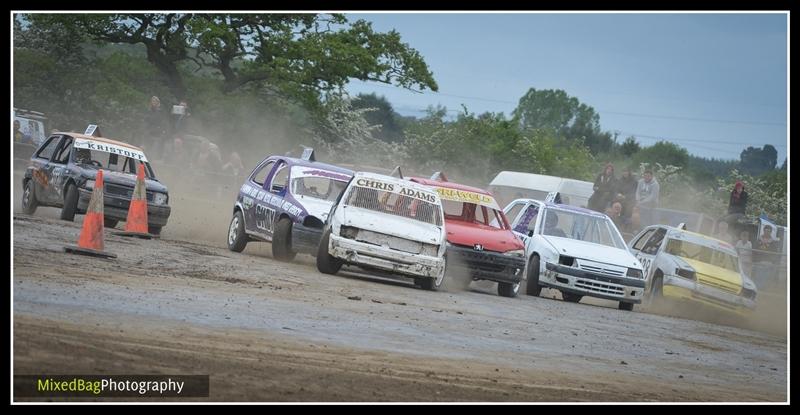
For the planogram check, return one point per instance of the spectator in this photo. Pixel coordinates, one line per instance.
(738, 201)
(766, 242)
(155, 127)
(604, 187)
(626, 186)
(19, 136)
(647, 196)
(615, 213)
(180, 115)
(744, 248)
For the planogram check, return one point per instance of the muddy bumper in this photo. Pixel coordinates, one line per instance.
(685, 289)
(485, 265)
(305, 239)
(373, 256)
(577, 281)
(116, 208)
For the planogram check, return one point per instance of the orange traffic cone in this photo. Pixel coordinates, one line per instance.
(136, 223)
(90, 241)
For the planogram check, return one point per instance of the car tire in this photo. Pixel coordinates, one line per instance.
(326, 263)
(282, 241)
(625, 306)
(433, 284)
(110, 223)
(237, 240)
(571, 297)
(154, 230)
(507, 289)
(29, 202)
(532, 286)
(70, 203)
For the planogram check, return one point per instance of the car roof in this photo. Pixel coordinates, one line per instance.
(450, 185)
(305, 163)
(99, 139)
(702, 239)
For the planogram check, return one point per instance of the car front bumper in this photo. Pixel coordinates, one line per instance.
(368, 255)
(577, 281)
(116, 208)
(688, 290)
(486, 265)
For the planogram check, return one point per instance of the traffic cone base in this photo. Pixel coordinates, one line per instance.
(86, 251)
(90, 241)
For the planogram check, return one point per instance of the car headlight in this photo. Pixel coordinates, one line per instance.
(89, 184)
(516, 252)
(160, 198)
(634, 273)
(686, 273)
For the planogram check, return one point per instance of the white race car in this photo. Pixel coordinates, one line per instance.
(576, 251)
(389, 224)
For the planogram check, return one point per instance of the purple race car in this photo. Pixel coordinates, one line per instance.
(286, 201)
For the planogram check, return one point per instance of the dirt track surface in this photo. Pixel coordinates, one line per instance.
(271, 331)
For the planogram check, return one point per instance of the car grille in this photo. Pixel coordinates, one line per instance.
(598, 268)
(394, 242)
(599, 287)
(123, 191)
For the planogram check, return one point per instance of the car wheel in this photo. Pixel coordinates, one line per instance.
(433, 284)
(29, 202)
(154, 230)
(237, 240)
(507, 289)
(70, 203)
(326, 263)
(625, 306)
(571, 297)
(533, 287)
(282, 241)
(110, 223)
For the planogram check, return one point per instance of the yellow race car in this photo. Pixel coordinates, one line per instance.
(683, 265)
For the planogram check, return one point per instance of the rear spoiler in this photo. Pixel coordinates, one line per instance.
(397, 172)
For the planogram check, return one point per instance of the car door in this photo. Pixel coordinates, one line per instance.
(525, 220)
(647, 248)
(253, 203)
(43, 171)
(60, 169)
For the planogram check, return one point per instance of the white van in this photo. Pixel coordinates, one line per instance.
(511, 185)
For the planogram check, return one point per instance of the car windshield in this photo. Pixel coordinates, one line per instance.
(472, 213)
(702, 253)
(394, 204)
(318, 187)
(95, 159)
(581, 227)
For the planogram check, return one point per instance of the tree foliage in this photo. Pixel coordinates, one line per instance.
(755, 161)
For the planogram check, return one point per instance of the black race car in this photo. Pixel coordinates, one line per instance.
(62, 170)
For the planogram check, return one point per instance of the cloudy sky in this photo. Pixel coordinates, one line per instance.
(712, 83)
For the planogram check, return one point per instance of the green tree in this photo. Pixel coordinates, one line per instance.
(629, 147)
(755, 161)
(298, 55)
(665, 153)
(382, 115)
(566, 116)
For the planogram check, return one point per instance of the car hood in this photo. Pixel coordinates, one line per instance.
(314, 207)
(714, 275)
(126, 179)
(391, 225)
(492, 239)
(593, 252)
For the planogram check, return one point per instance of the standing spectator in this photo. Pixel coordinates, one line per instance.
(722, 232)
(647, 196)
(744, 248)
(180, 115)
(155, 127)
(19, 136)
(738, 202)
(234, 166)
(626, 186)
(604, 186)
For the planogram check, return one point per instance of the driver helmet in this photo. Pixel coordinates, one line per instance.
(551, 220)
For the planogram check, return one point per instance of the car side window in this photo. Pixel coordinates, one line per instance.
(639, 244)
(513, 212)
(652, 245)
(64, 150)
(260, 175)
(47, 150)
(280, 179)
(527, 219)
